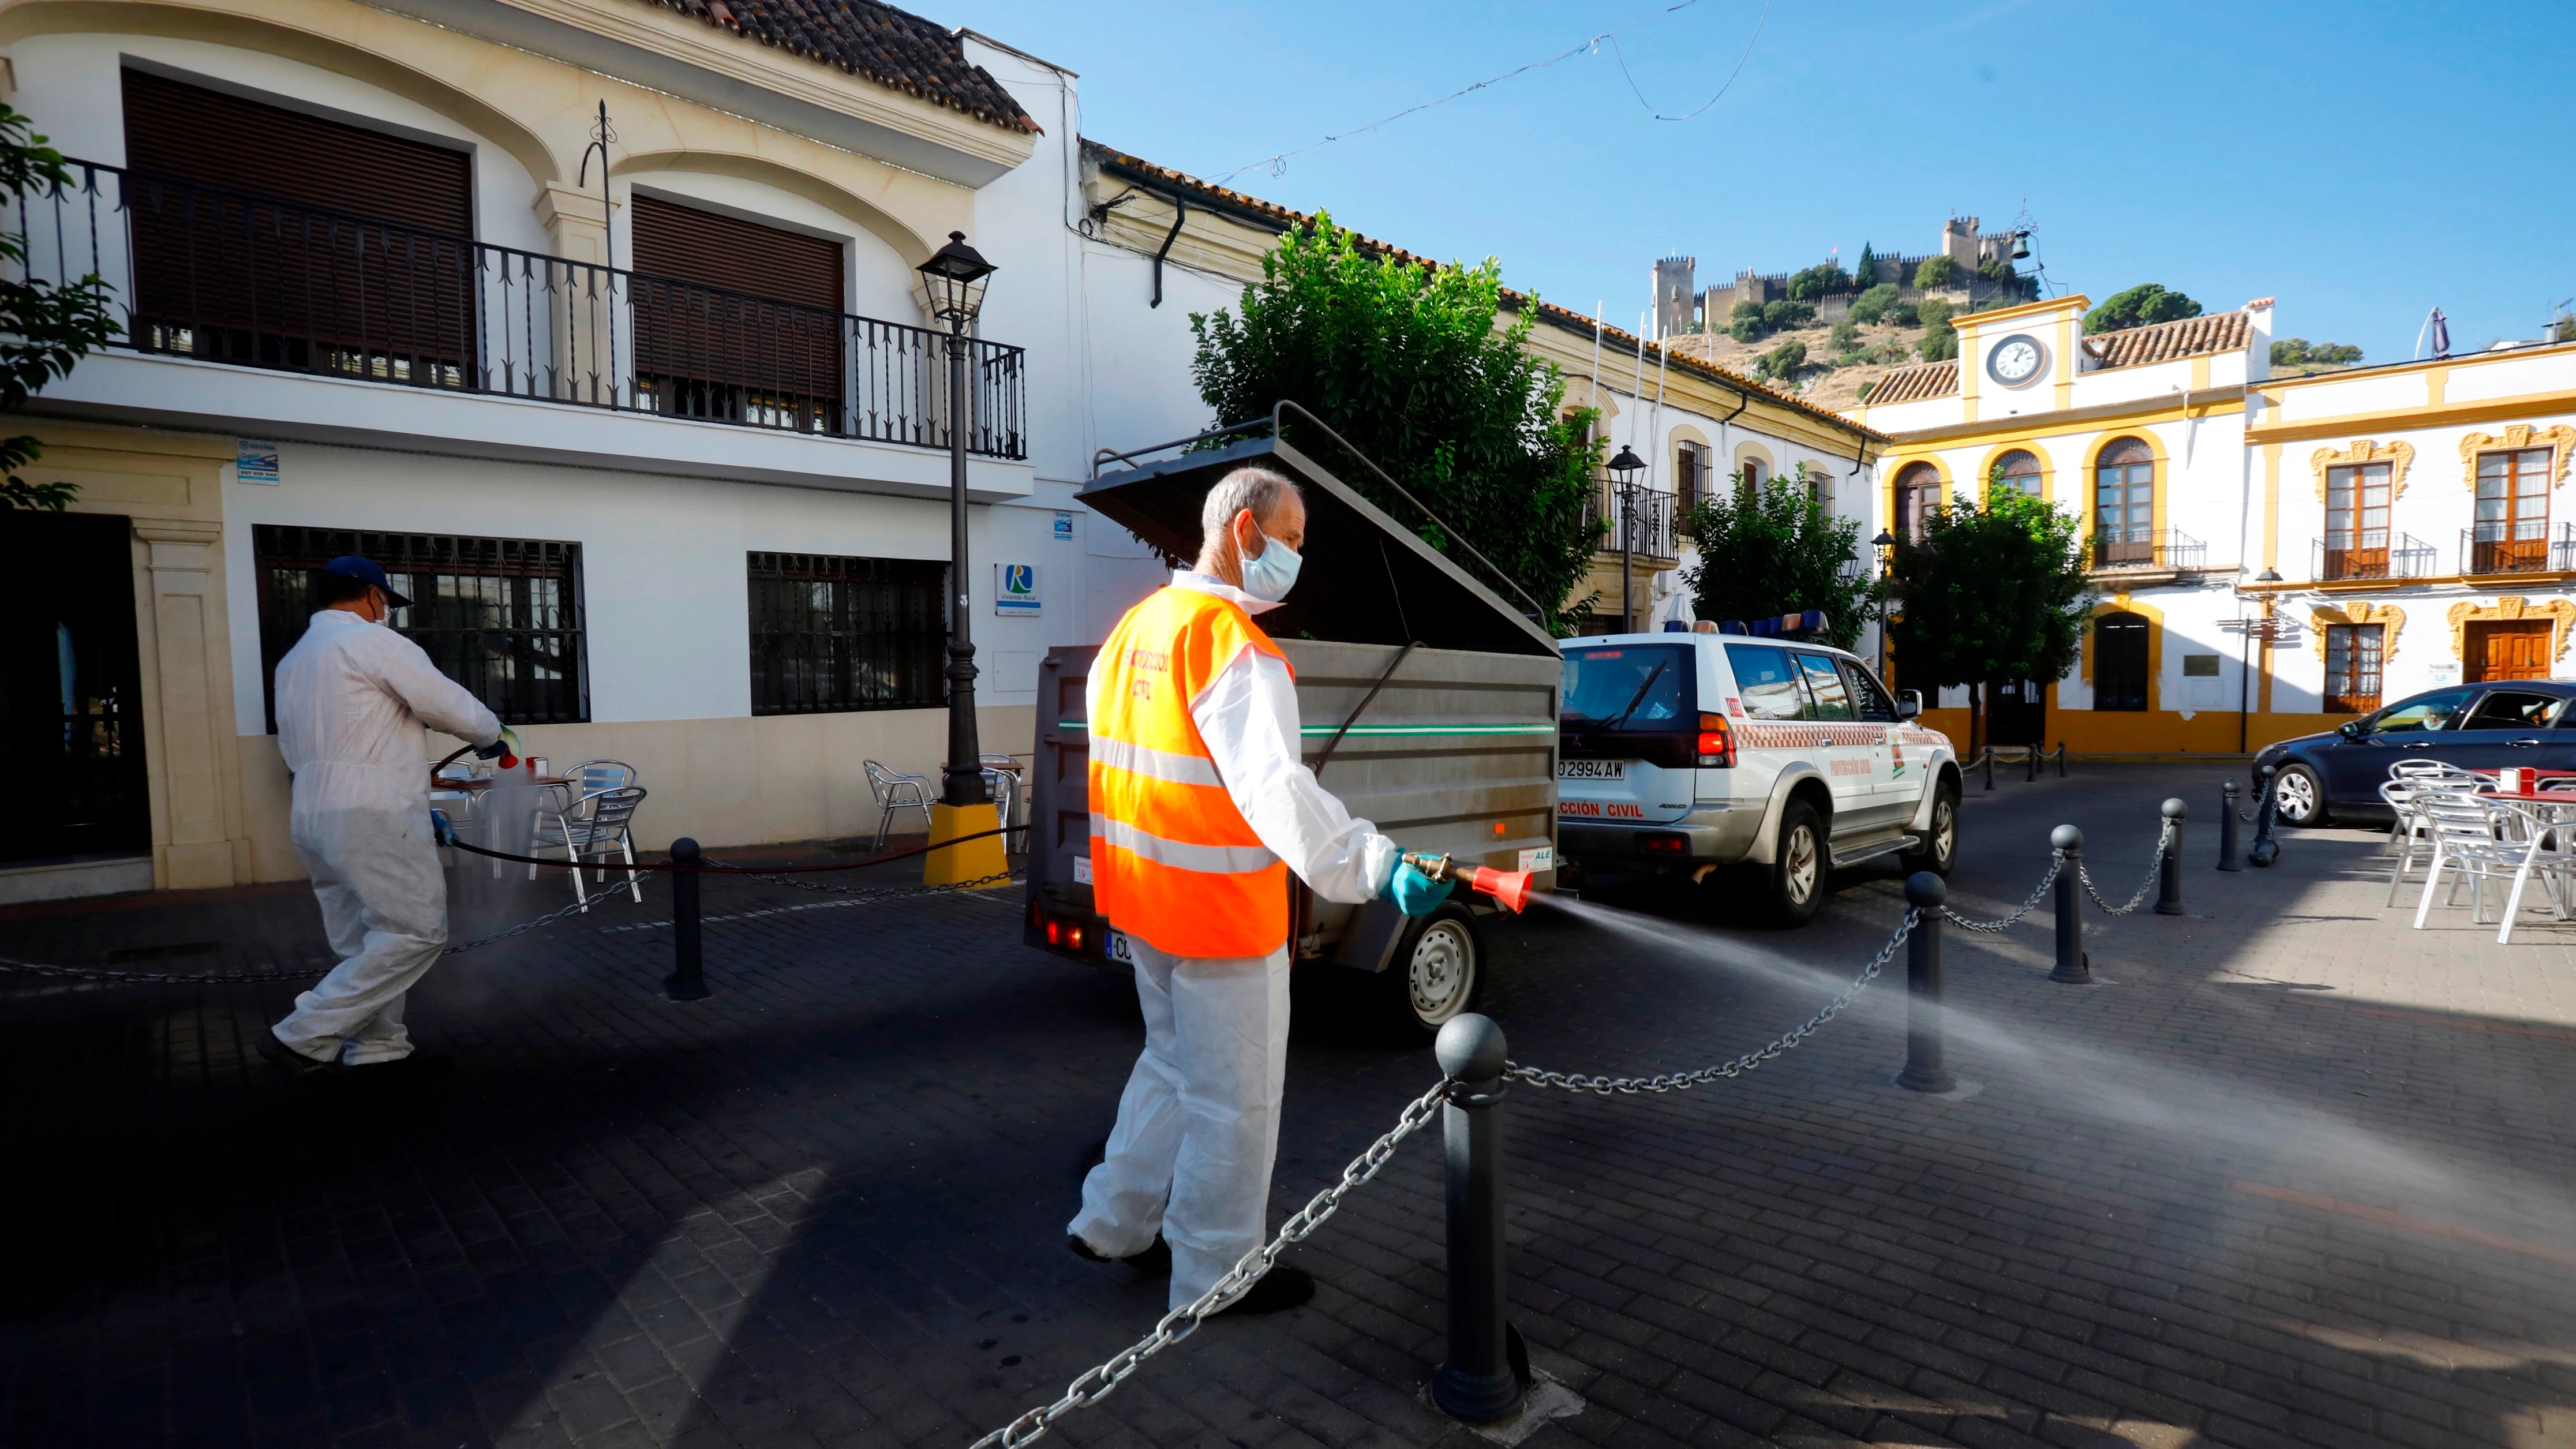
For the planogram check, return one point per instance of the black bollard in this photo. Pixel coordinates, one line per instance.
(2227, 826)
(2030, 762)
(2074, 967)
(1990, 765)
(1477, 1384)
(2169, 867)
(2267, 820)
(688, 979)
(1924, 1072)
(2061, 759)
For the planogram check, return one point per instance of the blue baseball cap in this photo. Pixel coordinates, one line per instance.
(357, 566)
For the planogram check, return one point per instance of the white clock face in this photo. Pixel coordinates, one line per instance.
(2015, 360)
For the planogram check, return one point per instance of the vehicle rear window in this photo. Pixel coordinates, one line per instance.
(1767, 682)
(1631, 686)
(2511, 709)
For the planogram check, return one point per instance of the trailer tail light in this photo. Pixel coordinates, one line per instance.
(1666, 844)
(1064, 935)
(1716, 741)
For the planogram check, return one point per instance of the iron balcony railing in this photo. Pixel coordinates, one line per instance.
(2519, 546)
(1648, 516)
(2138, 547)
(232, 276)
(2369, 553)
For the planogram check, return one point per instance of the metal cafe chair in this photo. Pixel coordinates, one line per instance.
(1002, 782)
(895, 792)
(2474, 841)
(590, 828)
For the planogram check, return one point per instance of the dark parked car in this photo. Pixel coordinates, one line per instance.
(2336, 776)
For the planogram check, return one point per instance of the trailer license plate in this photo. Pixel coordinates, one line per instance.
(1592, 769)
(1120, 949)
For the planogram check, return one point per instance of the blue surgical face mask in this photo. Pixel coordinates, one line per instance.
(1272, 573)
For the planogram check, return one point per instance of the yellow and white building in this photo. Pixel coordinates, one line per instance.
(2270, 555)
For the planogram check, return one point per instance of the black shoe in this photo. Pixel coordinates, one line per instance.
(287, 1059)
(1284, 1287)
(1154, 1262)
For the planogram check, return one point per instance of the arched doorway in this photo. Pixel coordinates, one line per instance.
(2120, 662)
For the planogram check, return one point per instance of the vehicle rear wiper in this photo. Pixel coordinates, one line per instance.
(1633, 700)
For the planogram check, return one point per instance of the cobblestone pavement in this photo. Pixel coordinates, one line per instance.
(2295, 1174)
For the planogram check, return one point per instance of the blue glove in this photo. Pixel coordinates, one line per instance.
(441, 829)
(1414, 893)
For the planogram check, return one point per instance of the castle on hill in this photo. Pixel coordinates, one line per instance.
(1983, 272)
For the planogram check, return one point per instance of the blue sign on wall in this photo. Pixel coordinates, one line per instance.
(1015, 589)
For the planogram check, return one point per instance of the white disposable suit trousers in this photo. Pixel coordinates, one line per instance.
(384, 903)
(1198, 1126)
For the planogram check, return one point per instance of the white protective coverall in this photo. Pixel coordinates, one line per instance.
(1198, 1125)
(351, 698)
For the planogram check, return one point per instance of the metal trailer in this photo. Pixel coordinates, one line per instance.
(1428, 705)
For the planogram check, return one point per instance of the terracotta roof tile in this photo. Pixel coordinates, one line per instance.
(891, 47)
(1915, 384)
(1254, 208)
(2166, 341)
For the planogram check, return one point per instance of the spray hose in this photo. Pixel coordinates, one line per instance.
(1510, 888)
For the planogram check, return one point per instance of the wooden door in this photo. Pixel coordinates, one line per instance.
(2508, 649)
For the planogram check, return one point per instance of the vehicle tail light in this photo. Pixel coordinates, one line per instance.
(1055, 933)
(1716, 741)
(1073, 938)
(1667, 844)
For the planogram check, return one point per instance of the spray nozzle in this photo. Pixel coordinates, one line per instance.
(1510, 888)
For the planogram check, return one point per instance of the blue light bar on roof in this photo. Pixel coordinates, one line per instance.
(1806, 624)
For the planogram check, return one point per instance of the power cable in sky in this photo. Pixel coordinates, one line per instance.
(1278, 164)
(1621, 56)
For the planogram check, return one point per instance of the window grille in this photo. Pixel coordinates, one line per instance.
(2353, 654)
(832, 635)
(501, 616)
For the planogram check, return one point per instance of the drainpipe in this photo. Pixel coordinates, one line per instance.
(1180, 213)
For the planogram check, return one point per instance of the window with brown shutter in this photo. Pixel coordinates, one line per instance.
(735, 320)
(273, 238)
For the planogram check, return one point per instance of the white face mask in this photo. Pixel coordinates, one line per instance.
(1269, 575)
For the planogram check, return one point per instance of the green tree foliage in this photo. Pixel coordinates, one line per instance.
(1781, 363)
(1818, 282)
(1845, 337)
(44, 328)
(1940, 339)
(2299, 351)
(1406, 361)
(1776, 548)
(1935, 274)
(1992, 591)
(1745, 324)
(1865, 271)
(2563, 329)
(2141, 306)
(1873, 303)
(1783, 314)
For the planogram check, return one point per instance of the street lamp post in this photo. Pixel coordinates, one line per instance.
(2245, 652)
(953, 281)
(1625, 467)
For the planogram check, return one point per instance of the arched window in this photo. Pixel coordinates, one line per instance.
(2120, 662)
(2020, 469)
(2124, 504)
(1918, 487)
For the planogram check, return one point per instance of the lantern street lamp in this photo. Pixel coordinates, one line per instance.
(1624, 468)
(2252, 630)
(953, 282)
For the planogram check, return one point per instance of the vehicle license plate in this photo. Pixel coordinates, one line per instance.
(1592, 769)
(1119, 948)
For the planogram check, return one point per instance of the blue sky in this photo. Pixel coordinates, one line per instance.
(2362, 162)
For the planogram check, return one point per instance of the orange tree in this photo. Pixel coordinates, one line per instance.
(1990, 592)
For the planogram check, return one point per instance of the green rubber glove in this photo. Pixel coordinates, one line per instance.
(1416, 894)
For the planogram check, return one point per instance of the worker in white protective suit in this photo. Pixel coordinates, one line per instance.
(1200, 807)
(351, 698)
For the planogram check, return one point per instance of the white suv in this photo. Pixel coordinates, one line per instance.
(1681, 753)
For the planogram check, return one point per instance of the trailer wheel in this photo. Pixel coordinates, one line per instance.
(1438, 970)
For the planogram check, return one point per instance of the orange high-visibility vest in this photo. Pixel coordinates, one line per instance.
(1172, 860)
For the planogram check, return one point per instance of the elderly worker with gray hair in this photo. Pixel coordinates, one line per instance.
(1200, 807)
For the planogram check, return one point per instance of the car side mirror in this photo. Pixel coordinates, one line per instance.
(1909, 703)
(2350, 729)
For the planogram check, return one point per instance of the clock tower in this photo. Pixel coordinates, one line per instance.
(2020, 360)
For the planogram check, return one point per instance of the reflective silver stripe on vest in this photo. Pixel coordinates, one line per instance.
(1155, 764)
(1207, 859)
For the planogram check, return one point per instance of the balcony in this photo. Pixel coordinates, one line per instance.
(1649, 518)
(230, 277)
(2169, 550)
(2519, 547)
(2369, 553)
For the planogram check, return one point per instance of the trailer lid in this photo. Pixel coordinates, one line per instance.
(1367, 579)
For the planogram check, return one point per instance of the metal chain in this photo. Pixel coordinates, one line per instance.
(1095, 1384)
(245, 978)
(1680, 1081)
(2263, 801)
(2056, 866)
(879, 893)
(2164, 844)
